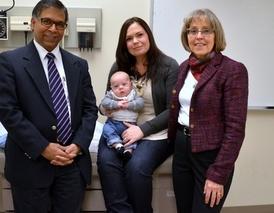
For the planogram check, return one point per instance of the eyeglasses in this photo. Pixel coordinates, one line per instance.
(47, 22)
(204, 32)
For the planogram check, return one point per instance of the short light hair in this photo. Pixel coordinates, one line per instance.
(215, 24)
(119, 73)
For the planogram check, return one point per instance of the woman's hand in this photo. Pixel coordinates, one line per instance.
(213, 192)
(132, 134)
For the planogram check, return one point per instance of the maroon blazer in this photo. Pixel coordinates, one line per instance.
(217, 112)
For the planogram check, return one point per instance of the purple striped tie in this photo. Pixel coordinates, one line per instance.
(59, 101)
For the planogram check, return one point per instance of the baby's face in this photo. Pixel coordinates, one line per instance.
(121, 85)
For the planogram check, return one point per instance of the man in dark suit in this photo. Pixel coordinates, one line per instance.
(46, 172)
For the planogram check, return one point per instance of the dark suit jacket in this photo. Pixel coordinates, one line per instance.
(27, 113)
(217, 112)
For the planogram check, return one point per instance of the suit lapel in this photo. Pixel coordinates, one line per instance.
(72, 71)
(209, 71)
(36, 71)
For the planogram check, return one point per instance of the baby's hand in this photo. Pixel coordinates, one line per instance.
(123, 104)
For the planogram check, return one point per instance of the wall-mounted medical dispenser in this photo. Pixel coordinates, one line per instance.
(85, 27)
(20, 23)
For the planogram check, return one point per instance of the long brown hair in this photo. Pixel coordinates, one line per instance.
(125, 60)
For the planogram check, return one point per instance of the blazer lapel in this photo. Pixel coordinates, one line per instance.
(184, 67)
(72, 71)
(36, 71)
(209, 71)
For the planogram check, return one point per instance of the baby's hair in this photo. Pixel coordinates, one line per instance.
(119, 72)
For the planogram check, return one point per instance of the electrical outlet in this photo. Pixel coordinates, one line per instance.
(3, 28)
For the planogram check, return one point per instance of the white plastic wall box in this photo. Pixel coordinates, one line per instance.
(20, 23)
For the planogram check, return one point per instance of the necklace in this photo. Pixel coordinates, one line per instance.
(139, 84)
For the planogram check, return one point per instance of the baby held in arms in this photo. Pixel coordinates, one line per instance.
(121, 104)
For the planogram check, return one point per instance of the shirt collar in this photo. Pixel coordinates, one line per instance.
(43, 52)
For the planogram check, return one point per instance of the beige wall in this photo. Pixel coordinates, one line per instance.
(253, 181)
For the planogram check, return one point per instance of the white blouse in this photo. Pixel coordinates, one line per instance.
(185, 98)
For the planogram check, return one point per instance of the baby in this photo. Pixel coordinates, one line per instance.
(124, 103)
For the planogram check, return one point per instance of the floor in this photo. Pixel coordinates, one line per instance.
(250, 209)
(245, 209)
